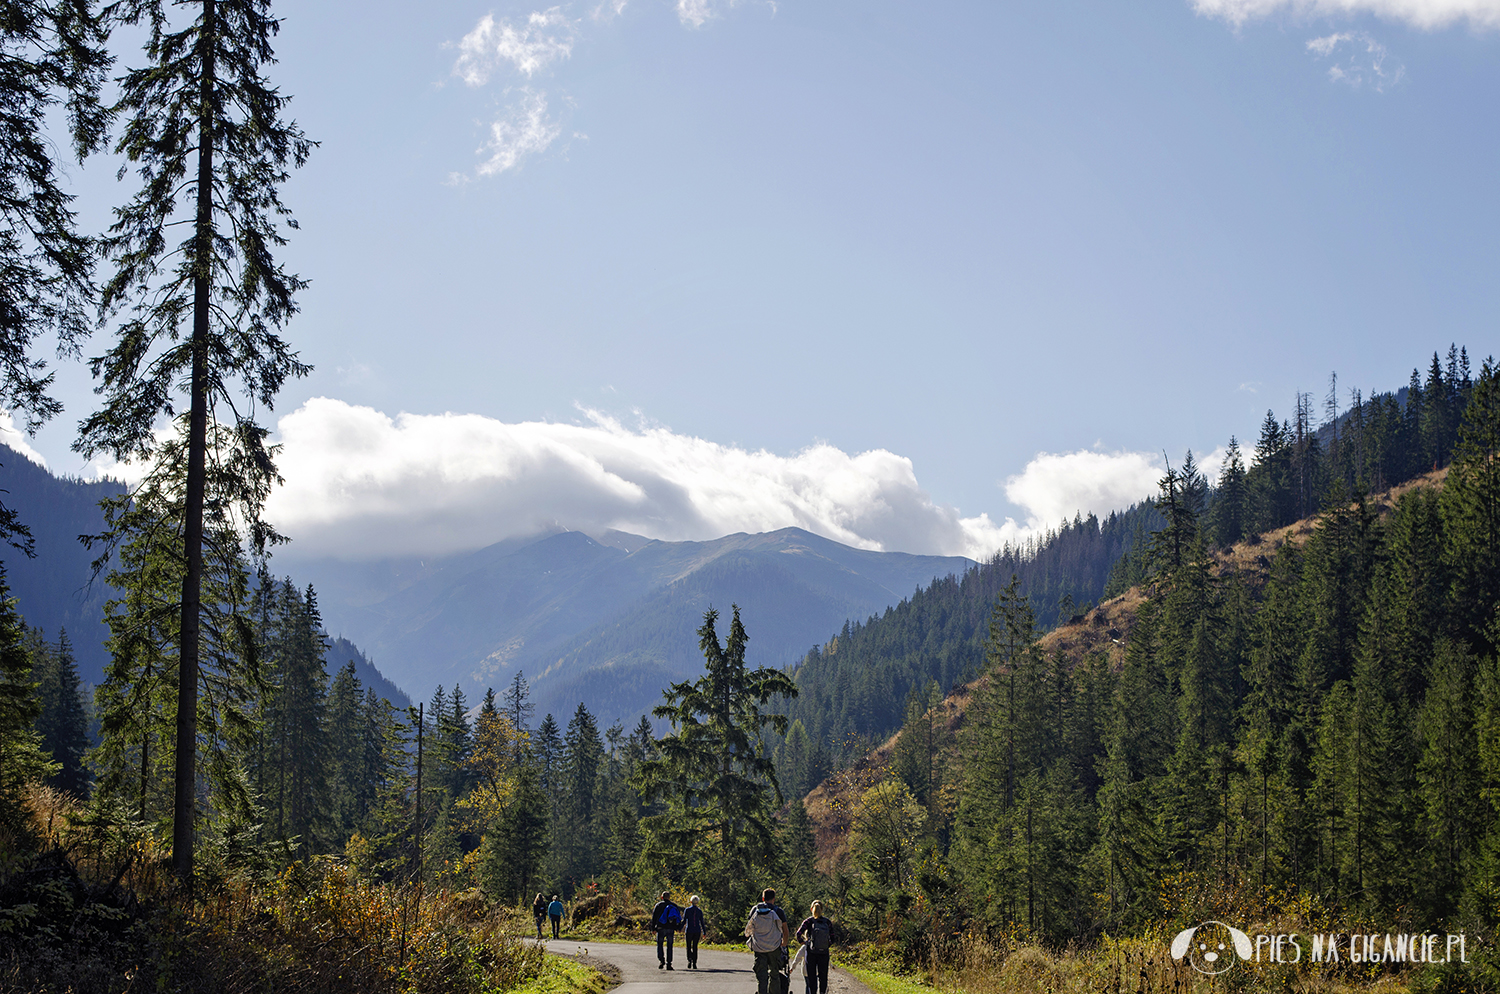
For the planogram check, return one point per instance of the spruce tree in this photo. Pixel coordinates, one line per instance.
(1452, 816)
(63, 722)
(1179, 503)
(296, 725)
(517, 703)
(22, 760)
(139, 704)
(1438, 415)
(458, 744)
(578, 826)
(204, 130)
(712, 773)
(546, 747)
(1471, 516)
(513, 851)
(1272, 501)
(1229, 509)
(622, 842)
(346, 752)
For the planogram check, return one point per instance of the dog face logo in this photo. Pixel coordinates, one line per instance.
(1212, 947)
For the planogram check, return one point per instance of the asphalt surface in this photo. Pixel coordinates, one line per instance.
(718, 972)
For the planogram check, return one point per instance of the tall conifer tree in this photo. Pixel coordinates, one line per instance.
(204, 129)
(712, 773)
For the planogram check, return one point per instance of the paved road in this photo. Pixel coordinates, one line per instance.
(718, 972)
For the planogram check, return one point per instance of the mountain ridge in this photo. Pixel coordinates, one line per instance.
(547, 605)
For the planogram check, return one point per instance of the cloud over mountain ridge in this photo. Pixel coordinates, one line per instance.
(362, 484)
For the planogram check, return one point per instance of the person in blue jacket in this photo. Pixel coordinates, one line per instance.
(665, 918)
(555, 913)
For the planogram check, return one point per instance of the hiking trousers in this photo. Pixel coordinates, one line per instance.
(768, 971)
(817, 972)
(667, 936)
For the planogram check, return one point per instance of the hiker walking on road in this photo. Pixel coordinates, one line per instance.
(817, 932)
(555, 912)
(693, 927)
(665, 918)
(768, 937)
(539, 912)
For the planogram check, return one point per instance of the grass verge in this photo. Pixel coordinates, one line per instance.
(561, 975)
(884, 983)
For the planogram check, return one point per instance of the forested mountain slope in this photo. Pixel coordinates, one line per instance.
(852, 690)
(53, 591)
(1313, 710)
(56, 590)
(1102, 633)
(854, 687)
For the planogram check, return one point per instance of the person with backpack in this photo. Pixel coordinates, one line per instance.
(539, 912)
(693, 928)
(768, 937)
(555, 913)
(666, 918)
(817, 932)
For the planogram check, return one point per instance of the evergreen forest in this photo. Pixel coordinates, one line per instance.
(1297, 724)
(1298, 721)
(1306, 730)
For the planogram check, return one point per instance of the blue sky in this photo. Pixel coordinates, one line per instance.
(882, 255)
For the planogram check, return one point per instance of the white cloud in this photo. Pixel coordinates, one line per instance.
(544, 38)
(12, 436)
(694, 12)
(1212, 464)
(1425, 14)
(524, 130)
(361, 484)
(528, 47)
(1364, 64)
(608, 10)
(1325, 46)
(1054, 486)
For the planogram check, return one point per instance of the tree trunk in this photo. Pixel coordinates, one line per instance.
(185, 794)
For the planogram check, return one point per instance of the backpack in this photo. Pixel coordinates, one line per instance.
(671, 916)
(821, 936)
(764, 929)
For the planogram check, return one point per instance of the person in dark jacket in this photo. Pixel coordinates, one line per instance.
(539, 912)
(817, 932)
(666, 931)
(693, 927)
